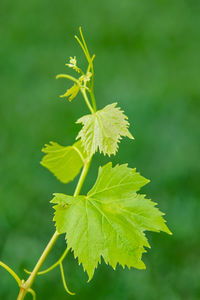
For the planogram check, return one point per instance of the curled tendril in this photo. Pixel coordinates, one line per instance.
(32, 292)
(63, 279)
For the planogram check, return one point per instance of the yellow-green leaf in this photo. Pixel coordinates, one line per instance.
(72, 92)
(110, 221)
(64, 162)
(103, 130)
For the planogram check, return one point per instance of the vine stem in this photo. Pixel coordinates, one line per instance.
(26, 286)
(82, 177)
(87, 100)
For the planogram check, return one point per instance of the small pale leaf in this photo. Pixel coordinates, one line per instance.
(103, 130)
(110, 221)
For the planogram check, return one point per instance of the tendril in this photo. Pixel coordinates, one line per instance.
(32, 292)
(63, 280)
(12, 273)
(68, 77)
(53, 266)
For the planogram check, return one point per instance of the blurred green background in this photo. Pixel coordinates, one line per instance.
(147, 59)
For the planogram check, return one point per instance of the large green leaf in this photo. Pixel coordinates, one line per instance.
(110, 221)
(64, 162)
(103, 130)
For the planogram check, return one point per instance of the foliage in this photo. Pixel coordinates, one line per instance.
(111, 220)
(64, 162)
(103, 130)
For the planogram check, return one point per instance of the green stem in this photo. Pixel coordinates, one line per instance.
(82, 178)
(26, 286)
(22, 293)
(93, 97)
(90, 61)
(87, 100)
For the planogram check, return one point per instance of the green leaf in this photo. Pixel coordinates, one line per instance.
(103, 130)
(72, 92)
(110, 221)
(64, 162)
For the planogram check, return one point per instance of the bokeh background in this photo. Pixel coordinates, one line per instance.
(147, 59)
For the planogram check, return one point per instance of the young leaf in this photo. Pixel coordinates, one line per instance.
(78, 85)
(64, 162)
(104, 129)
(110, 221)
(72, 92)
